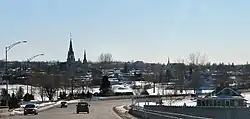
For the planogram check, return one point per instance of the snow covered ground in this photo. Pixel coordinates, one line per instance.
(36, 91)
(122, 89)
(188, 101)
(160, 89)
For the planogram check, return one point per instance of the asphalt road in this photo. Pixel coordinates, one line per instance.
(98, 110)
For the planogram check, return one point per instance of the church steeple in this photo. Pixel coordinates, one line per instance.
(85, 57)
(70, 45)
(71, 55)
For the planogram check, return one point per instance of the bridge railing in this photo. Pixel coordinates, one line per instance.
(148, 114)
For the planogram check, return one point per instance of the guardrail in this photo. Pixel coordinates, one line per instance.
(169, 115)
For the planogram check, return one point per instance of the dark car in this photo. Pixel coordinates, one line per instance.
(30, 109)
(82, 107)
(64, 104)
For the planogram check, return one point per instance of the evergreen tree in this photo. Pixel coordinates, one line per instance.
(105, 86)
(14, 101)
(63, 95)
(20, 93)
(5, 96)
(28, 97)
(125, 69)
(105, 83)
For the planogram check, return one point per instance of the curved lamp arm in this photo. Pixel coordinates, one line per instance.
(14, 44)
(34, 57)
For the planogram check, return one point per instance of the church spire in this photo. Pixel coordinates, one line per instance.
(85, 57)
(70, 43)
(71, 55)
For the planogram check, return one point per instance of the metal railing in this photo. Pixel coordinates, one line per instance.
(166, 114)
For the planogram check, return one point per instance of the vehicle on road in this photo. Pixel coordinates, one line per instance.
(82, 107)
(30, 109)
(64, 104)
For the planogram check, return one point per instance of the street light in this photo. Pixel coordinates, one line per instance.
(26, 65)
(8, 48)
(34, 57)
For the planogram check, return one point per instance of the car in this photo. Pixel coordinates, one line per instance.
(30, 109)
(64, 104)
(82, 107)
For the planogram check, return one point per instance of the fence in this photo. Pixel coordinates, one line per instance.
(152, 114)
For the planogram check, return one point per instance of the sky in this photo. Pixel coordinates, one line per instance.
(131, 30)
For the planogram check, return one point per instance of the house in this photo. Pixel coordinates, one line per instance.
(222, 97)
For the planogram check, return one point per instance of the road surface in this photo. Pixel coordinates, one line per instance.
(98, 110)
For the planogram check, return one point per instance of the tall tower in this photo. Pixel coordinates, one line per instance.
(71, 55)
(168, 61)
(85, 57)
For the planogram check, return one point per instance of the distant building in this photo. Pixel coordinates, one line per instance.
(222, 97)
(77, 69)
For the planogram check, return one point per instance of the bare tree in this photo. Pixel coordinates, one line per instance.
(105, 58)
(50, 91)
(180, 60)
(196, 61)
(41, 93)
(197, 58)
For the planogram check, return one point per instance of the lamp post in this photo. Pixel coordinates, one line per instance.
(8, 48)
(26, 66)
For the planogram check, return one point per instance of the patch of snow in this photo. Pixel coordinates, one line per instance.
(121, 89)
(161, 91)
(188, 102)
(95, 90)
